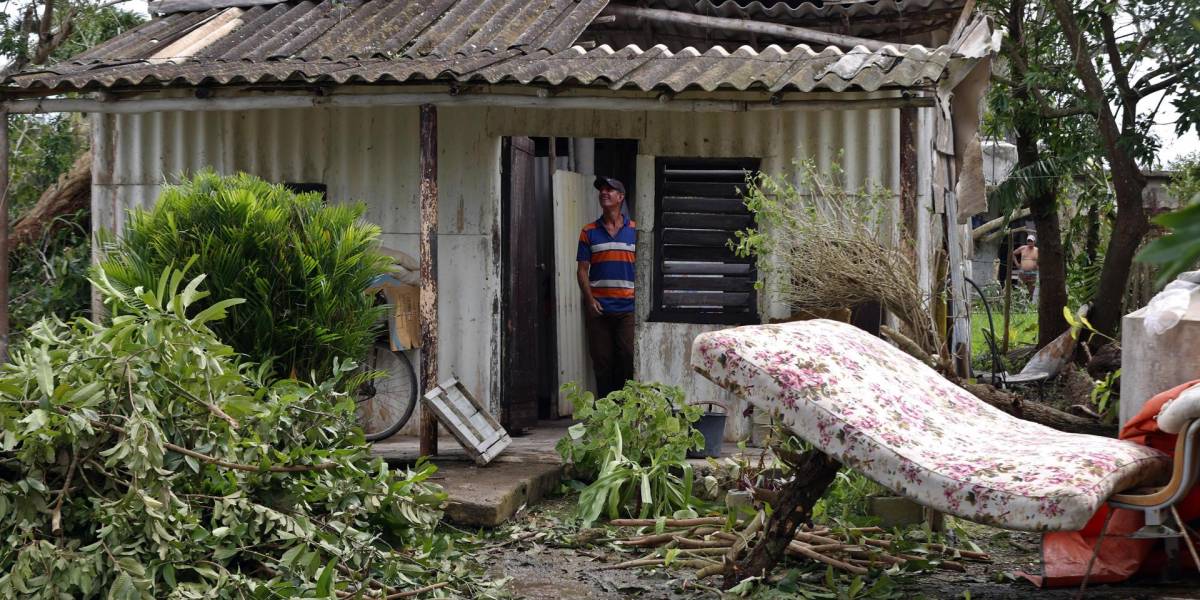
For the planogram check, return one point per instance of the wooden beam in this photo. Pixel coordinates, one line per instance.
(908, 170)
(790, 32)
(3, 236)
(272, 101)
(429, 273)
(994, 228)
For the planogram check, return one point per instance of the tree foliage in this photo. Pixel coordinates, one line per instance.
(1082, 85)
(634, 443)
(146, 459)
(302, 266)
(49, 276)
(1179, 250)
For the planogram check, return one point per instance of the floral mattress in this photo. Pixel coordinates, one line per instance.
(877, 409)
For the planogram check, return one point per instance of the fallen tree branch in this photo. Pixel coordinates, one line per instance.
(56, 514)
(224, 463)
(71, 193)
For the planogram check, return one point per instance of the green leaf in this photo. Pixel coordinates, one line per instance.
(215, 312)
(325, 581)
(123, 588)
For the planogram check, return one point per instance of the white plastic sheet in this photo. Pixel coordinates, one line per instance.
(1167, 308)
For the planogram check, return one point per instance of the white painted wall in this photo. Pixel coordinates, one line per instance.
(370, 154)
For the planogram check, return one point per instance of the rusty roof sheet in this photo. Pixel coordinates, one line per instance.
(493, 41)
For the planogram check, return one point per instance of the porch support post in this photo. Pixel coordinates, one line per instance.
(429, 273)
(4, 249)
(908, 169)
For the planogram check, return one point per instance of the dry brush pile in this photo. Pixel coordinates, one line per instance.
(822, 245)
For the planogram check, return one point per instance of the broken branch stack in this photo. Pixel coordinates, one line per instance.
(706, 545)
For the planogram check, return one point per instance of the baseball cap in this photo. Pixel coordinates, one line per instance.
(611, 182)
(1031, 238)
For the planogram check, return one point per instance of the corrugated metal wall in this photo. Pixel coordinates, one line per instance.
(360, 154)
(371, 155)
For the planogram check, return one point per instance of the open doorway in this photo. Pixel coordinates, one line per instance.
(546, 198)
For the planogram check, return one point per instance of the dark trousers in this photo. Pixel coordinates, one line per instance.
(610, 342)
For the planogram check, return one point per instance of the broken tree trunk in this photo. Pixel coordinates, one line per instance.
(1005, 401)
(1038, 413)
(71, 193)
(812, 474)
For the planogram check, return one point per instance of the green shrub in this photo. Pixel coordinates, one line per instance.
(145, 459)
(302, 266)
(634, 442)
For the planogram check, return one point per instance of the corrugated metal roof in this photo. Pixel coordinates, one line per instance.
(783, 12)
(495, 41)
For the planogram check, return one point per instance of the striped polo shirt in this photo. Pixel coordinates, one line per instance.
(612, 267)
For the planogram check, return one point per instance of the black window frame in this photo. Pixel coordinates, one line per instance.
(667, 240)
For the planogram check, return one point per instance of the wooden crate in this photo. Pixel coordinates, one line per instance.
(480, 435)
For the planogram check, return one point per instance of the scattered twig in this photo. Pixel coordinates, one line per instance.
(56, 515)
(668, 522)
(417, 591)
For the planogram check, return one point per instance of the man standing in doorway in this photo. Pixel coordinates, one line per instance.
(1025, 259)
(606, 253)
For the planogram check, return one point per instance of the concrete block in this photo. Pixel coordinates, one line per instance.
(488, 496)
(895, 511)
(1153, 363)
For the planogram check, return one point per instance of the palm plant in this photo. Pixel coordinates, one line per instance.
(301, 265)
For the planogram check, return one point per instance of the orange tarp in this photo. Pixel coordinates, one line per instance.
(1065, 554)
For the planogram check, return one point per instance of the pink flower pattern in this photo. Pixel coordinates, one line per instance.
(871, 406)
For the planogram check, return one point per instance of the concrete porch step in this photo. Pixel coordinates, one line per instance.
(489, 496)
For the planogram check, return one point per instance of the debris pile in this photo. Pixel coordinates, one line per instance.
(710, 544)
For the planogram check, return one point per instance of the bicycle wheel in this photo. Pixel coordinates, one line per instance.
(386, 404)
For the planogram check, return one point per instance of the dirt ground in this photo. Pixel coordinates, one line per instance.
(547, 557)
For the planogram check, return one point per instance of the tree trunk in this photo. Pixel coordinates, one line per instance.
(1043, 204)
(71, 193)
(1038, 413)
(1052, 259)
(1127, 179)
(812, 475)
(1091, 248)
(1130, 227)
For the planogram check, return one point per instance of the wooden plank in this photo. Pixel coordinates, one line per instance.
(689, 220)
(704, 164)
(707, 189)
(677, 298)
(705, 268)
(708, 283)
(455, 424)
(472, 414)
(685, 174)
(699, 253)
(908, 171)
(703, 204)
(711, 238)
(429, 270)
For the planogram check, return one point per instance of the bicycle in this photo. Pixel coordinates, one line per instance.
(386, 403)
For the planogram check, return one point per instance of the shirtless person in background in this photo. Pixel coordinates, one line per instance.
(1025, 259)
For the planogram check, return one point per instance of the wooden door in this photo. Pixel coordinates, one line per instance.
(521, 325)
(574, 207)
